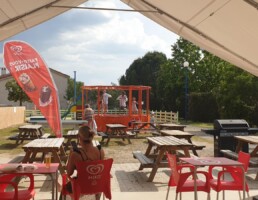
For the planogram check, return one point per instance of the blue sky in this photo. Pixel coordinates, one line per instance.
(98, 45)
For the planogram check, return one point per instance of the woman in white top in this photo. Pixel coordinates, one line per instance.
(105, 97)
(122, 100)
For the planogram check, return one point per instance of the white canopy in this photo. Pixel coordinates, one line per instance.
(226, 28)
(19, 15)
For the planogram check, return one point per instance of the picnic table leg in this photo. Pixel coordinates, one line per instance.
(19, 137)
(128, 138)
(108, 139)
(254, 152)
(156, 165)
(32, 158)
(186, 151)
(58, 160)
(124, 134)
(194, 150)
(239, 146)
(103, 138)
(27, 156)
(121, 133)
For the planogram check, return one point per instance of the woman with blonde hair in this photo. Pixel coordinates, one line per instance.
(86, 151)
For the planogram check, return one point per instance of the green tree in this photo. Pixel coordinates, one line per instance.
(172, 76)
(70, 90)
(237, 93)
(144, 71)
(15, 93)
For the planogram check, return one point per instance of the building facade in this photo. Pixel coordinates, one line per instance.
(60, 79)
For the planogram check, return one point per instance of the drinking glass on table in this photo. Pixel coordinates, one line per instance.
(48, 160)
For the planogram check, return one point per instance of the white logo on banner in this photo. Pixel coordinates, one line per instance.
(17, 50)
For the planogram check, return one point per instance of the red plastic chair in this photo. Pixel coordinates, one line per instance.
(24, 194)
(93, 177)
(183, 181)
(235, 182)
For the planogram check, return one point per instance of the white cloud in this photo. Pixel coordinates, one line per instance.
(99, 45)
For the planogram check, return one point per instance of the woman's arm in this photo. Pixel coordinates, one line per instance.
(102, 154)
(70, 167)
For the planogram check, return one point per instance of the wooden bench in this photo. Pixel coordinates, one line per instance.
(198, 147)
(148, 162)
(102, 134)
(155, 133)
(17, 159)
(144, 160)
(233, 155)
(13, 137)
(131, 134)
(46, 135)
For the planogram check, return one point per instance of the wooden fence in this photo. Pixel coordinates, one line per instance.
(164, 116)
(160, 116)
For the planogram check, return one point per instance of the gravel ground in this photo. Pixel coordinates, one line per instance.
(121, 151)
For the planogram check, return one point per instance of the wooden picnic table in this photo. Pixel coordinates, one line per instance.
(71, 135)
(171, 126)
(138, 125)
(247, 139)
(29, 132)
(44, 146)
(182, 135)
(242, 142)
(116, 131)
(160, 145)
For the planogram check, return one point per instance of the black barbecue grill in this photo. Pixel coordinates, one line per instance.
(224, 132)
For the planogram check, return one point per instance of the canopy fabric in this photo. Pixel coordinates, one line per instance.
(225, 28)
(19, 15)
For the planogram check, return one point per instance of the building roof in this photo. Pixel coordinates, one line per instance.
(8, 75)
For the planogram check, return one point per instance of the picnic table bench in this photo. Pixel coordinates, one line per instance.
(160, 145)
(116, 131)
(44, 146)
(253, 162)
(172, 126)
(138, 126)
(241, 141)
(183, 135)
(29, 132)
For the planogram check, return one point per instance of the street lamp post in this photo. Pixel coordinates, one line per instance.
(186, 65)
(74, 94)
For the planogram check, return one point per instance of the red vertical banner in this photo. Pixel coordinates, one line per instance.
(33, 76)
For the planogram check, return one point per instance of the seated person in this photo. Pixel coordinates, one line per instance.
(89, 116)
(87, 151)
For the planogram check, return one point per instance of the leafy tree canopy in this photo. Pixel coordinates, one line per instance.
(15, 93)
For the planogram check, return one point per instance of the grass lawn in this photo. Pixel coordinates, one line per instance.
(118, 149)
(10, 146)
